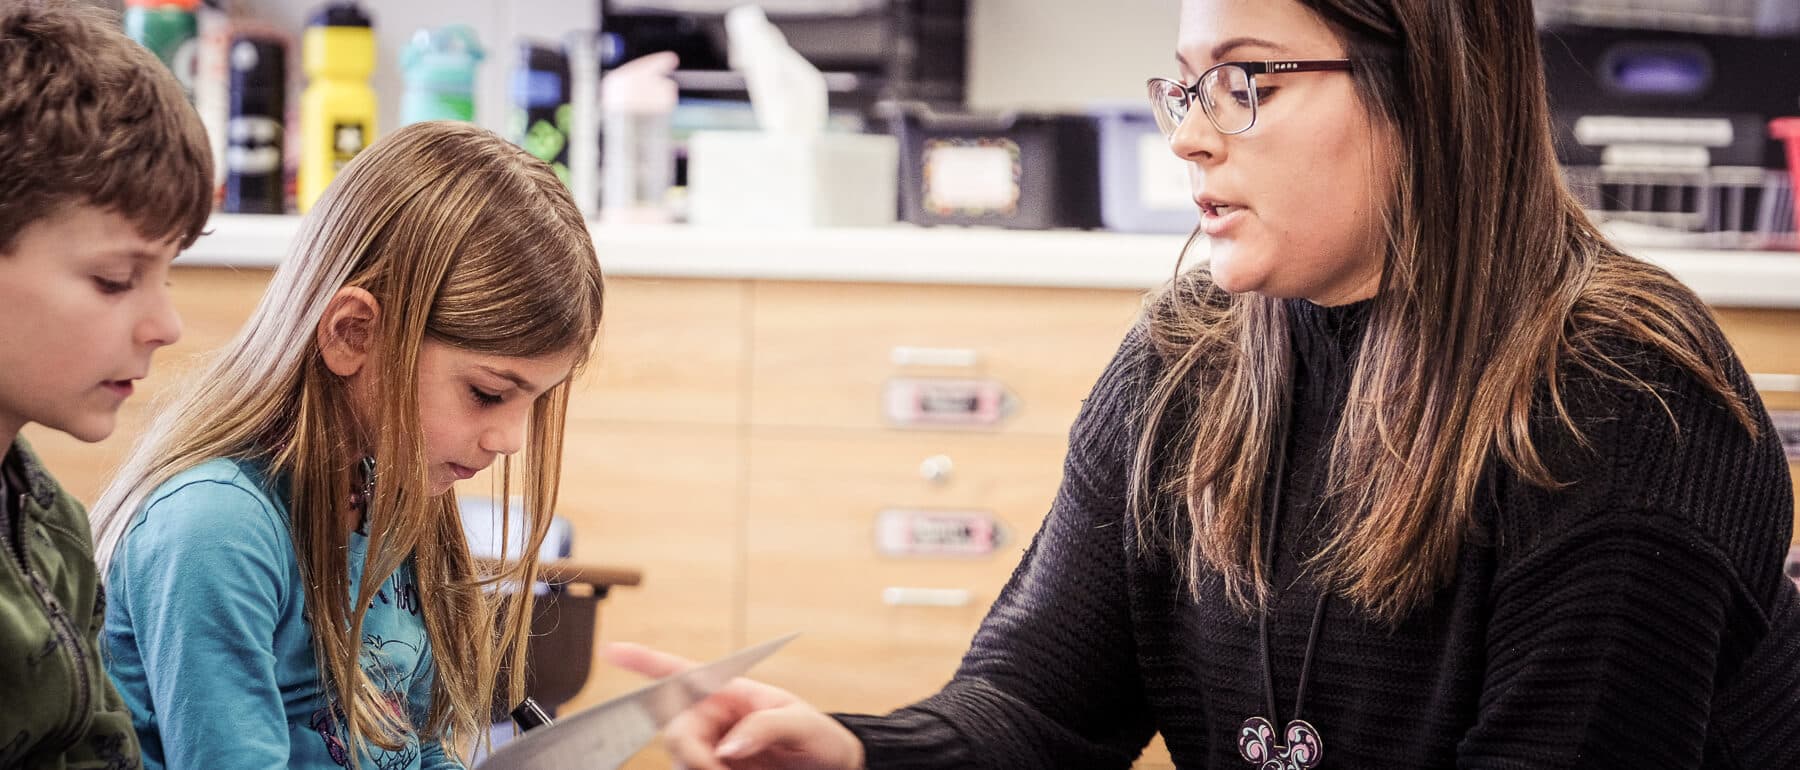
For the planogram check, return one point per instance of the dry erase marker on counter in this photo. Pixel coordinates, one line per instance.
(337, 109)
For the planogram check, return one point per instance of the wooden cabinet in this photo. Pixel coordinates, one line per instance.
(826, 461)
(663, 498)
(880, 631)
(652, 473)
(670, 351)
(883, 631)
(824, 354)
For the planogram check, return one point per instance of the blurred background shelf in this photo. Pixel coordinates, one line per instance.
(974, 256)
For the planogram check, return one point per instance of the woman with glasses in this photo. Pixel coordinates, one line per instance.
(1418, 471)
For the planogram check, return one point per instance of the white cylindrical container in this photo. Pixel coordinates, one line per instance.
(637, 164)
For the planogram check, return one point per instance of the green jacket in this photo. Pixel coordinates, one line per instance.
(60, 710)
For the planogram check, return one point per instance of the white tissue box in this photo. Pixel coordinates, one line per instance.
(754, 178)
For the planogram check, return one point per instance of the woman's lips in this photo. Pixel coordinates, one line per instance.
(1219, 221)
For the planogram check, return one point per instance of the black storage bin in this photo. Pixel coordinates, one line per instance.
(870, 51)
(1023, 171)
(1724, 89)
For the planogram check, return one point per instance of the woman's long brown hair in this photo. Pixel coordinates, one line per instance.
(1494, 281)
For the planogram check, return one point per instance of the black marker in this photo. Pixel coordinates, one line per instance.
(528, 715)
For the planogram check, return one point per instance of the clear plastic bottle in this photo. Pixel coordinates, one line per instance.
(637, 165)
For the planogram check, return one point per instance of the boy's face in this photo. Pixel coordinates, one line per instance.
(84, 302)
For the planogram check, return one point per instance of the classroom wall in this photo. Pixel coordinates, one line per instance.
(1068, 54)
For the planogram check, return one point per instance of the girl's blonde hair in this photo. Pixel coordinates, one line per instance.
(462, 238)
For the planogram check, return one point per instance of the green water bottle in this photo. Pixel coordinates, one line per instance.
(170, 30)
(439, 69)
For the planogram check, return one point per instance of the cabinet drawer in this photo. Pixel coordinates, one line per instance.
(669, 351)
(880, 631)
(825, 354)
(813, 564)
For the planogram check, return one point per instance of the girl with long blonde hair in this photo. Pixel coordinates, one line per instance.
(290, 581)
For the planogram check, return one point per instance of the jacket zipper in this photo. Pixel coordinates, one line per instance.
(69, 640)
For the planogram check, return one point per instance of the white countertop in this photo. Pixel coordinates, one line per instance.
(909, 254)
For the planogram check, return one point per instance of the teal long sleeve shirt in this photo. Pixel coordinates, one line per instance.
(207, 639)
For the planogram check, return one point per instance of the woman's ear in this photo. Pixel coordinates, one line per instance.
(347, 332)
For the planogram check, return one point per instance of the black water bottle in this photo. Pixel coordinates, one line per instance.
(254, 135)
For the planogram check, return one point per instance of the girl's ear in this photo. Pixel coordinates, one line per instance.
(347, 331)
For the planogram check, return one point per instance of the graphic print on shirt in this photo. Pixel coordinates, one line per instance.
(328, 724)
(325, 722)
(398, 593)
(391, 665)
(385, 660)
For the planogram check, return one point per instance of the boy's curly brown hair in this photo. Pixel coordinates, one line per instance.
(87, 116)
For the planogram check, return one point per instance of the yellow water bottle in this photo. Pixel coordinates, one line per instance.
(337, 109)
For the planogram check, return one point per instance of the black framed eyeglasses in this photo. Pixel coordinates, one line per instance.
(1227, 92)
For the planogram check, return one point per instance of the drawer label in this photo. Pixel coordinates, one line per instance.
(911, 532)
(945, 401)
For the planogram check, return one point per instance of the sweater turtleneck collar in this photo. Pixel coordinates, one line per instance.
(1325, 340)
